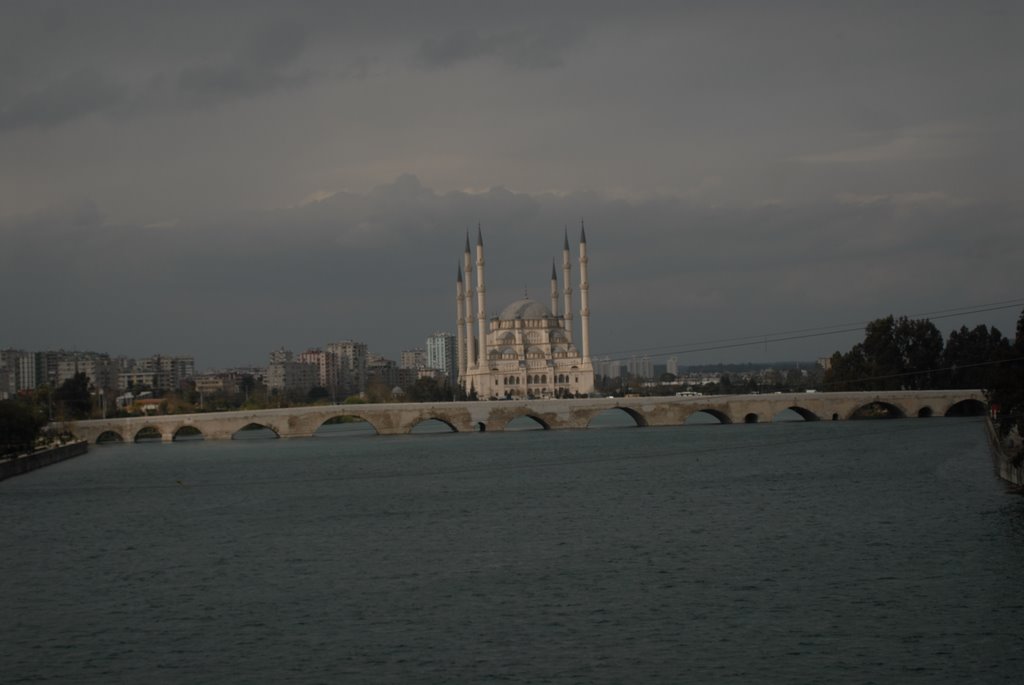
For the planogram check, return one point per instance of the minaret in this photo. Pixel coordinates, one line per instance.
(481, 314)
(584, 296)
(567, 283)
(460, 319)
(467, 259)
(554, 290)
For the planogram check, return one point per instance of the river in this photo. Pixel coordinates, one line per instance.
(845, 552)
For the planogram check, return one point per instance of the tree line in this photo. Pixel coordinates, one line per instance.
(911, 354)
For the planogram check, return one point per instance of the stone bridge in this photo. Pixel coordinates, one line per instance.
(397, 419)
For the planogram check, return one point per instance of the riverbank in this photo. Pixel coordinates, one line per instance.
(1009, 469)
(37, 460)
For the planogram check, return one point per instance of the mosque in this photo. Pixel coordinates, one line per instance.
(529, 350)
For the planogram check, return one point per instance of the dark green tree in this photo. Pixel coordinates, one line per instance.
(427, 390)
(848, 371)
(73, 397)
(1007, 393)
(895, 353)
(19, 427)
(318, 393)
(969, 357)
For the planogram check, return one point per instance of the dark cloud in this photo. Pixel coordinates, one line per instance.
(275, 45)
(742, 167)
(77, 94)
(379, 266)
(538, 49)
(260, 66)
(67, 215)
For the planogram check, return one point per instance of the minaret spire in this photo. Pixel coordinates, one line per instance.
(554, 290)
(481, 313)
(460, 323)
(567, 287)
(584, 297)
(467, 261)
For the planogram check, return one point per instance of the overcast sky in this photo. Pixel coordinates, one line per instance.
(220, 179)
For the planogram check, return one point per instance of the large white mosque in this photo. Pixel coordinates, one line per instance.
(528, 350)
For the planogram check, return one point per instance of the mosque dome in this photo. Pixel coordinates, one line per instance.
(524, 309)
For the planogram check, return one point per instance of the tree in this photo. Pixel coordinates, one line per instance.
(428, 390)
(969, 354)
(1007, 392)
(74, 398)
(848, 371)
(19, 427)
(895, 353)
(318, 393)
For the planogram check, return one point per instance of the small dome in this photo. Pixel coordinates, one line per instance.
(524, 309)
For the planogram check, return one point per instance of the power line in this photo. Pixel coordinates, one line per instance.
(903, 374)
(800, 334)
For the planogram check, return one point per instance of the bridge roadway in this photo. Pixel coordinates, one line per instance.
(397, 419)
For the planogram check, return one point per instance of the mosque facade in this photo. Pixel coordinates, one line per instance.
(528, 350)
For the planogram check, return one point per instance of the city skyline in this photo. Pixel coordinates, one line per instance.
(287, 176)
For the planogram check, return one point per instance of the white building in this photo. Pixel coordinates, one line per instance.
(441, 355)
(20, 370)
(528, 350)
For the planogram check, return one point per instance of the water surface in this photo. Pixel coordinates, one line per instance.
(870, 551)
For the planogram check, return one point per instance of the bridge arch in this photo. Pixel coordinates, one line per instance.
(148, 433)
(966, 407)
(108, 437)
(613, 418)
(431, 424)
(526, 421)
(802, 412)
(699, 416)
(750, 418)
(255, 431)
(925, 412)
(878, 410)
(351, 422)
(500, 419)
(187, 433)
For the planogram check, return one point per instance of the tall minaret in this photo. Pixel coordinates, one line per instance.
(460, 318)
(481, 314)
(567, 283)
(584, 295)
(554, 290)
(467, 259)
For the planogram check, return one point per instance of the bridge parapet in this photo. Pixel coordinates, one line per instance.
(396, 419)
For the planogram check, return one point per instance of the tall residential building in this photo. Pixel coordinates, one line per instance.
(281, 355)
(97, 367)
(327, 368)
(441, 355)
(351, 358)
(159, 372)
(412, 359)
(640, 368)
(672, 366)
(21, 369)
(528, 350)
(286, 376)
(381, 370)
